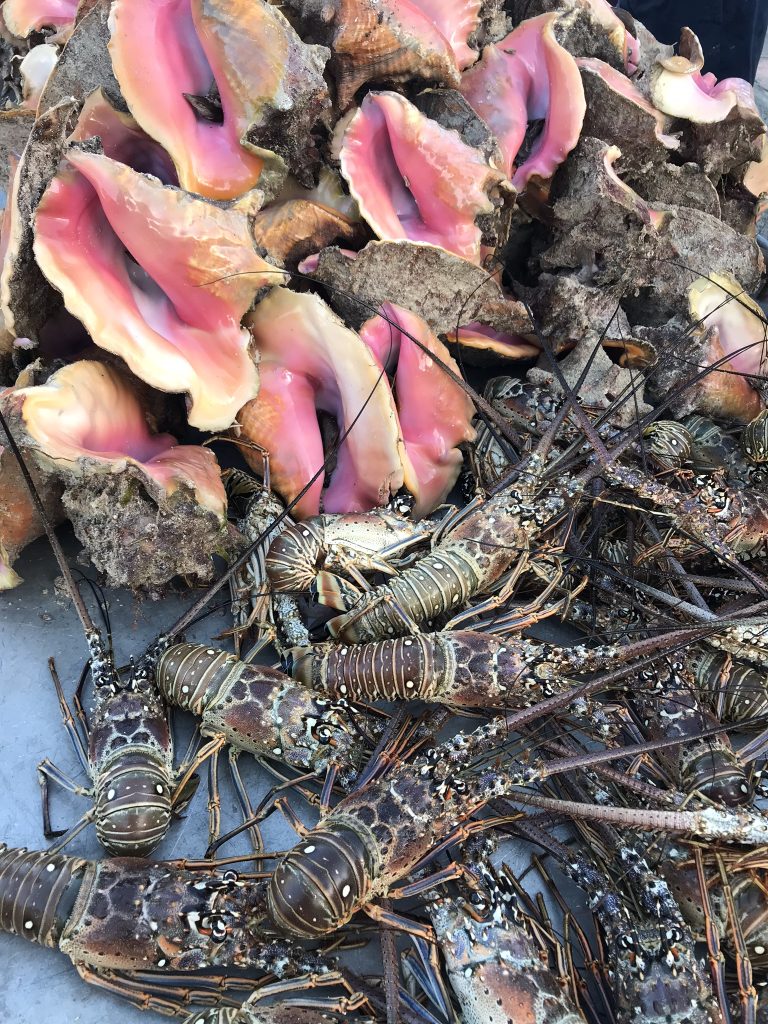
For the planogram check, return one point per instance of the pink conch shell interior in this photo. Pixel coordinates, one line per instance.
(87, 411)
(435, 414)
(456, 20)
(122, 139)
(413, 179)
(310, 361)
(679, 89)
(622, 85)
(480, 336)
(720, 301)
(310, 264)
(526, 77)
(24, 16)
(157, 56)
(172, 308)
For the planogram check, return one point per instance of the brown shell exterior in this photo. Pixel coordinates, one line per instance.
(369, 45)
(293, 229)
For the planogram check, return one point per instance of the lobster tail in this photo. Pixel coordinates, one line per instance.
(190, 676)
(319, 885)
(133, 805)
(37, 893)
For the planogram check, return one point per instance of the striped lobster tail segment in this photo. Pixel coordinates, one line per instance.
(37, 893)
(133, 804)
(191, 675)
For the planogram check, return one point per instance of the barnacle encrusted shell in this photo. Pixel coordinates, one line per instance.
(528, 76)
(723, 393)
(84, 64)
(308, 361)
(443, 288)
(434, 412)
(391, 41)
(586, 28)
(414, 179)
(86, 426)
(605, 229)
(24, 16)
(618, 113)
(26, 298)
(172, 308)
(269, 85)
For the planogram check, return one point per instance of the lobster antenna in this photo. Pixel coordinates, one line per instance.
(53, 540)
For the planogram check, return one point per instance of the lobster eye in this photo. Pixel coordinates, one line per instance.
(626, 942)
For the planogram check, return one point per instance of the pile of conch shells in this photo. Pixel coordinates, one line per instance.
(277, 213)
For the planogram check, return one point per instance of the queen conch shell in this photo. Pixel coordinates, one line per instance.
(528, 76)
(86, 418)
(434, 412)
(679, 89)
(269, 85)
(171, 304)
(310, 361)
(718, 300)
(413, 179)
(391, 41)
(24, 16)
(84, 430)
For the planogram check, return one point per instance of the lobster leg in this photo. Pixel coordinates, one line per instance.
(46, 771)
(747, 992)
(399, 923)
(76, 829)
(170, 994)
(244, 799)
(214, 798)
(68, 720)
(716, 957)
(269, 803)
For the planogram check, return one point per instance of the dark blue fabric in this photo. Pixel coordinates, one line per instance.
(732, 32)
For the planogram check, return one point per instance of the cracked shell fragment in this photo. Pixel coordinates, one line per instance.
(392, 41)
(720, 301)
(435, 414)
(176, 274)
(24, 16)
(86, 418)
(529, 76)
(413, 179)
(310, 361)
(268, 83)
